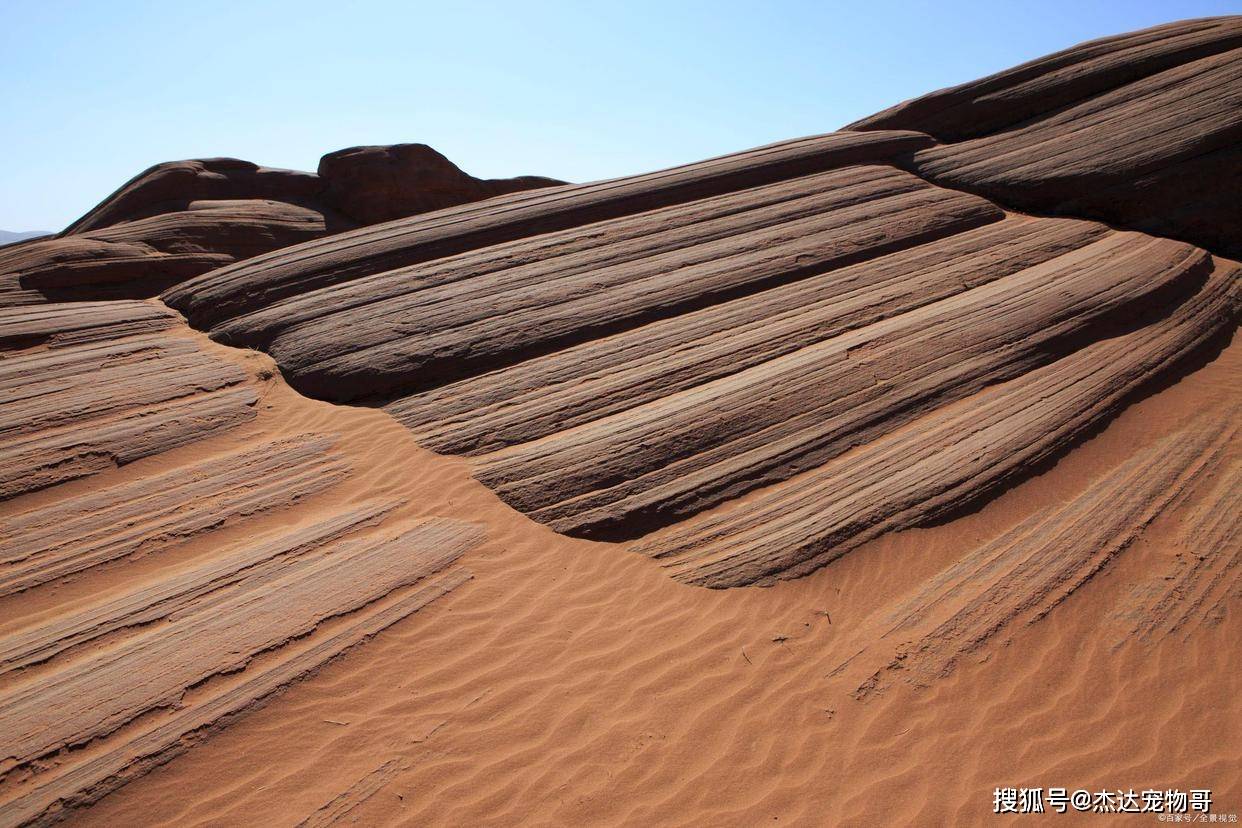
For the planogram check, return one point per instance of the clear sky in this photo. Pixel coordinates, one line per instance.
(95, 91)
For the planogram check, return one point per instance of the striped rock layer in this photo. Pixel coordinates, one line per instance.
(264, 598)
(1015, 580)
(1142, 130)
(1207, 571)
(169, 629)
(144, 256)
(86, 387)
(182, 218)
(847, 345)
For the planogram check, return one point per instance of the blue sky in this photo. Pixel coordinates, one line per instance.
(96, 91)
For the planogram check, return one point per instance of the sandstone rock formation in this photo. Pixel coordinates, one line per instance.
(787, 324)
(1142, 130)
(741, 369)
(133, 669)
(370, 185)
(183, 218)
(242, 290)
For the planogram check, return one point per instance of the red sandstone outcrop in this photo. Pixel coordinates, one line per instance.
(745, 368)
(381, 183)
(620, 358)
(182, 218)
(1142, 130)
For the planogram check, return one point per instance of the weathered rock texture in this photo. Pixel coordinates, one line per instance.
(216, 619)
(174, 185)
(1206, 573)
(1018, 578)
(852, 347)
(690, 450)
(1142, 130)
(162, 510)
(183, 218)
(118, 681)
(95, 385)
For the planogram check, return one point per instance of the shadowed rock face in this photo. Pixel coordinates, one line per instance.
(374, 184)
(172, 186)
(1142, 130)
(182, 218)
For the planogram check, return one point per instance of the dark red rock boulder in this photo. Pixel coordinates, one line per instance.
(181, 219)
(382, 183)
(173, 185)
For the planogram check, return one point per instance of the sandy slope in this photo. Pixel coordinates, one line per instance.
(986, 463)
(574, 683)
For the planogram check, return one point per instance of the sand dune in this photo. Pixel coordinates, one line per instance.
(410, 524)
(1026, 572)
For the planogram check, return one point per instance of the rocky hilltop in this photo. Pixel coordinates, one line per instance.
(183, 218)
(1142, 130)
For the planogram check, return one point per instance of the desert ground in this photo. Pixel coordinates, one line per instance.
(841, 481)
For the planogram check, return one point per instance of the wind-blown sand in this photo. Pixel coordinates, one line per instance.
(985, 463)
(573, 683)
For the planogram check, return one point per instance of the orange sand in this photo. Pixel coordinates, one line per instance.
(573, 682)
